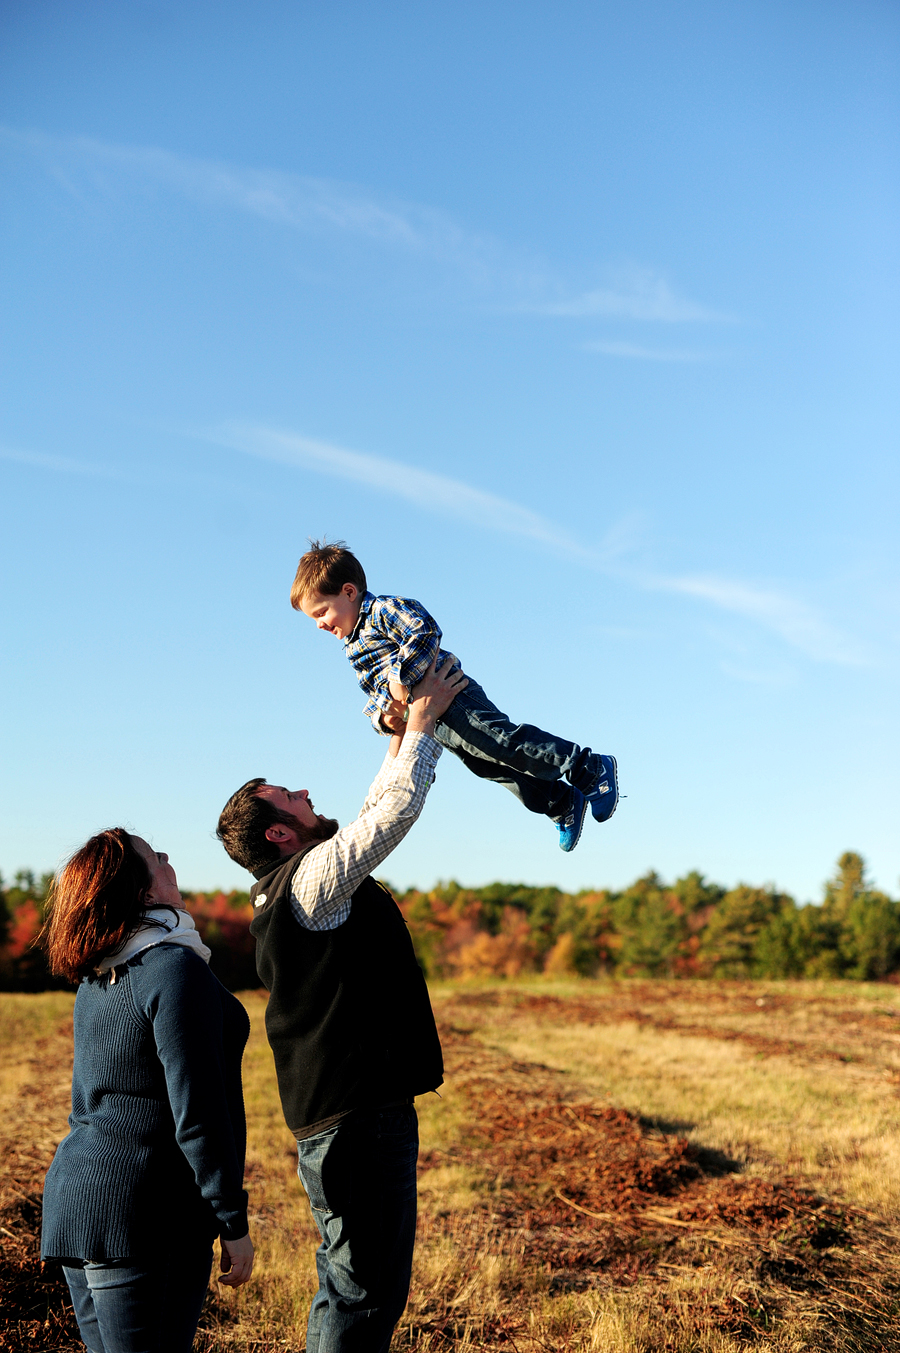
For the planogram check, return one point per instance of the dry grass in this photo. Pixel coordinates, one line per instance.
(35, 1080)
(625, 1167)
(795, 1076)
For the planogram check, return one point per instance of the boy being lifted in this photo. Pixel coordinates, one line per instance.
(391, 642)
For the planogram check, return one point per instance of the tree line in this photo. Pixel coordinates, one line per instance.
(689, 928)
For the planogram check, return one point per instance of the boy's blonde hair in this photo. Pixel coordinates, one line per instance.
(325, 568)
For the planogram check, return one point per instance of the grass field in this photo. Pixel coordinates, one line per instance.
(632, 1167)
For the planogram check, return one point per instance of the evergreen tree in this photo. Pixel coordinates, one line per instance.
(648, 929)
(865, 923)
(747, 934)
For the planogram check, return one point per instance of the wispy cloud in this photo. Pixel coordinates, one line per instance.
(312, 205)
(798, 625)
(514, 279)
(637, 294)
(795, 622)
(611, 348)
(145, 473)
(434, 492)
(63, 464)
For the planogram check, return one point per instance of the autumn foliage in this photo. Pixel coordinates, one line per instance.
(689, 928)
(223, 920)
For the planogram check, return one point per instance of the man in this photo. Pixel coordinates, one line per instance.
(348, 1019)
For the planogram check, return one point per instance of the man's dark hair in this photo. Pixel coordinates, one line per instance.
(246, 818)
(243, 824)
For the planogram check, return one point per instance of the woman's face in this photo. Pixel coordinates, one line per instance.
(163, 883)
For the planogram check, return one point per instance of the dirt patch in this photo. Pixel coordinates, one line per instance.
(835, 1030)
(576, 1197)
(595, 1199)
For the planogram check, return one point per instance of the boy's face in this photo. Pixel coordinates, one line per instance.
(337, 614)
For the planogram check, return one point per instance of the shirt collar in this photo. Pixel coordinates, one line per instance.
(365, 607)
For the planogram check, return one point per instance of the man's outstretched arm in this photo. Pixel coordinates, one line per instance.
(329, 874)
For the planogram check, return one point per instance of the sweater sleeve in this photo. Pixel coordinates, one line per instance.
(204, 1090)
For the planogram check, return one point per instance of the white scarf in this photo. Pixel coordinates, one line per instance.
(171, 931)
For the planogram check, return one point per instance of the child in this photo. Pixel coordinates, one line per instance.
(391, 641)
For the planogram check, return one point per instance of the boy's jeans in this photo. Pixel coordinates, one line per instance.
(360, 1177)
(142, 1308)
(528, 761)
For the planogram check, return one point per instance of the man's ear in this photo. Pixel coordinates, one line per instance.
(279, 834)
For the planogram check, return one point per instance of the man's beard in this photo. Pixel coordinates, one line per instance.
(324, 829)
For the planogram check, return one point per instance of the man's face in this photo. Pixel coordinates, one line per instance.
(296, 802)
(336, 614)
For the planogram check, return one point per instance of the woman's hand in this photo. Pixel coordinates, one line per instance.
(236, 1262)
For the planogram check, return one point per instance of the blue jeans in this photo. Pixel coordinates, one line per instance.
(360, 1177)
(528, 761)
(141, 1308)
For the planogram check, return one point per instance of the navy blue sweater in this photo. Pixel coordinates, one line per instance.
(155, 1151)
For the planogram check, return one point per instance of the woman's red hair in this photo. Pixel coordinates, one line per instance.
(97, 902)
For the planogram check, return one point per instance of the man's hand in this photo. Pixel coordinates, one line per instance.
(394, 717)
(434, 695)
(399, 693)
(236, 1261)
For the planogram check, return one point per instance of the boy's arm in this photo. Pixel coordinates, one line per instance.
(416, 638)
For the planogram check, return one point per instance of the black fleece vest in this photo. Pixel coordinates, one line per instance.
(349, 1020)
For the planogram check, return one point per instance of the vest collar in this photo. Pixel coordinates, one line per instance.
(285, 866)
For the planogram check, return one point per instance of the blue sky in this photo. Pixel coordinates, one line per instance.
(578, 323)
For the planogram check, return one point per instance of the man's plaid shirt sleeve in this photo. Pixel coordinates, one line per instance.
(328, 876)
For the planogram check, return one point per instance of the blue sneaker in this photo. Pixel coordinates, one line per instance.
(604, 798)
(570, 827)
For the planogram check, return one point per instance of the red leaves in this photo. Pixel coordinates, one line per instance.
(23, 929)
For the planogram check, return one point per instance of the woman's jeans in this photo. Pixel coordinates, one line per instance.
(141, 1308)
(528, 761)
(360, 1177)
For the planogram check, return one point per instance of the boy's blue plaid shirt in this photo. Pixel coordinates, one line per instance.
(395, 639)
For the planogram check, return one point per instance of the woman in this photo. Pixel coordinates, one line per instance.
(152, 1168)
